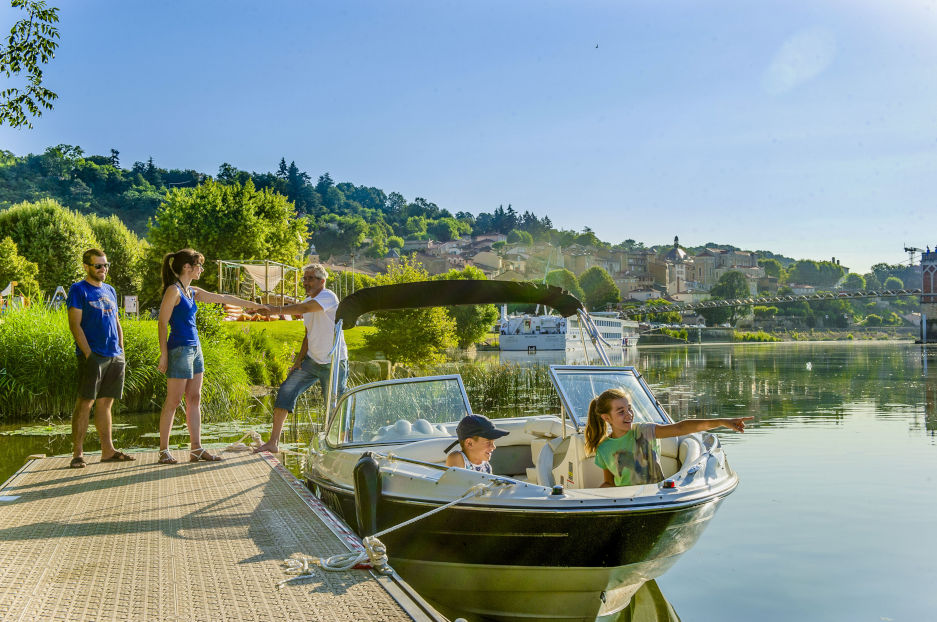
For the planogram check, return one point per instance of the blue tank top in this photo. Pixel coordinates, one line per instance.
(182, 331)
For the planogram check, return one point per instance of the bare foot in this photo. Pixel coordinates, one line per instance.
(268, 446)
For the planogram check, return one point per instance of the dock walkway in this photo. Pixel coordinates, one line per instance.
(191, 541)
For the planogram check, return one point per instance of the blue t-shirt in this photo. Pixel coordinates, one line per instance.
(182, 330)
(98, 316)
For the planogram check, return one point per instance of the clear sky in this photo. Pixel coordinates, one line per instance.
(808, 128)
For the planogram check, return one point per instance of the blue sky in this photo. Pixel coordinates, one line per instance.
(805, 128)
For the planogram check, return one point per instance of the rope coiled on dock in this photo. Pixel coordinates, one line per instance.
(375, 552)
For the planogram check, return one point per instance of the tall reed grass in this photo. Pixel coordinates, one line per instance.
(500, 389)
(38, 369)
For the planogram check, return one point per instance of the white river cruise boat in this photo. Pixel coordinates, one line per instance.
(533, 333)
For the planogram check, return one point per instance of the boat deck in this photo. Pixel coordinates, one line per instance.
(192, 541)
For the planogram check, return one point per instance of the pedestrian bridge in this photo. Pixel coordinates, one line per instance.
(767, 300)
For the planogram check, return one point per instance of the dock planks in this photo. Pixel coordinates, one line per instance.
(191, 541)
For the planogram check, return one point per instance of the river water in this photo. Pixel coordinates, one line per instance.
(834, 516)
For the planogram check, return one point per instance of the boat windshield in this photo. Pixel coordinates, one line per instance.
(398, 411)
(578, 385)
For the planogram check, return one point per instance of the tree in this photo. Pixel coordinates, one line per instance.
(663, 316)
(817, 273)
(893, 283)
(520, 237)
(52, 237)
(125, 252)
(772, 267)
(223, 222)
(31, 43)
(873, 320)
(395, 241)
(764, 313)
(14, 267)
(731, 285)
(472, 321)
(444, 229)
(599, 288)
(567, 280)
(854, 282)
(411, 335)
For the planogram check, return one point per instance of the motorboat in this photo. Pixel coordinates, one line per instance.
(537, 539)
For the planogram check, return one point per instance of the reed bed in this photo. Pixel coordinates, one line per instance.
(500, 389)
(38, 372)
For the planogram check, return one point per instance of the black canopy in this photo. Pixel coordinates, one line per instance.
(447, 293)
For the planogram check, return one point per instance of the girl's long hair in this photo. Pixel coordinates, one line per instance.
(174, 262)
(596, 428)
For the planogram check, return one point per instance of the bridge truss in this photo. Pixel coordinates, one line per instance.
(766, 300)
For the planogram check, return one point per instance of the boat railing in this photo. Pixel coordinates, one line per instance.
(585, 320)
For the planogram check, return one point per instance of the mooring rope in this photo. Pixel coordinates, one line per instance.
(375, 551)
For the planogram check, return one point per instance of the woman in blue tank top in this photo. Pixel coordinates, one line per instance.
(180, 354)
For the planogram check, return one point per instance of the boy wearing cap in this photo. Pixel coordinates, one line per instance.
(477, 436)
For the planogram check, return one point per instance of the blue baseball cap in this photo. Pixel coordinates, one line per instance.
(477, 425)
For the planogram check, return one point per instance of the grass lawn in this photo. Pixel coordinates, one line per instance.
(290, 333)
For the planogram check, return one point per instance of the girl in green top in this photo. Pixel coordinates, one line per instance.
(630, 454)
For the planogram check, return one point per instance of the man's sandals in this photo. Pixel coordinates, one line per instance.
(200, 455)
(78, 462)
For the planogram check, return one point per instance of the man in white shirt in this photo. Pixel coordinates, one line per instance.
(312, 362)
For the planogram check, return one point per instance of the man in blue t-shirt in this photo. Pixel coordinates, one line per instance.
(99, 343)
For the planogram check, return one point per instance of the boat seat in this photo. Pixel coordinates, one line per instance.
(564, 461)
(429, 450)
(403, 429)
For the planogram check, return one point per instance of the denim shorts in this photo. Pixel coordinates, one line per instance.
(185, 362)
(100, 376)
(307, 375)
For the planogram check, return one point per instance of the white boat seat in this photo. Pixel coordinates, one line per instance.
(403, 429)
(430, 450)
(564, 461)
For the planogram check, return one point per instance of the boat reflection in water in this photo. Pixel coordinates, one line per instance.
(616, 356)
(648, 604)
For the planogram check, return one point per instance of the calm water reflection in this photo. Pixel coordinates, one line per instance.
(834, 516)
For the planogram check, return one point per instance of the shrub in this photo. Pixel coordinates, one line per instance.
(51, 236)
(759, 336)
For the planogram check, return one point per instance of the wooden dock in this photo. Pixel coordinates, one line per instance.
(190, 541)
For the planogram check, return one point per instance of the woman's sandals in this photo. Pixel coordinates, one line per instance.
(200, 455)
(165, 457)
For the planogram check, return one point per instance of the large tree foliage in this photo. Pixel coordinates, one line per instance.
(567, 280)
(419, 336)
(599, 288)
(224, 222)
(472, 321)
(854, 282)
(31, 43)
(14, 267)
(823, 274)
(52, 237)
(731, 285)
(125, 252)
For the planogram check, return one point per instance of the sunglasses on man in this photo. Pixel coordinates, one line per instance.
(98, 266)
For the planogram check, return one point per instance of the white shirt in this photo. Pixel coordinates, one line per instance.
(320, 328)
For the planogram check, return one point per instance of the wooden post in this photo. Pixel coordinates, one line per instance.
(267, 281)
(220, 276)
